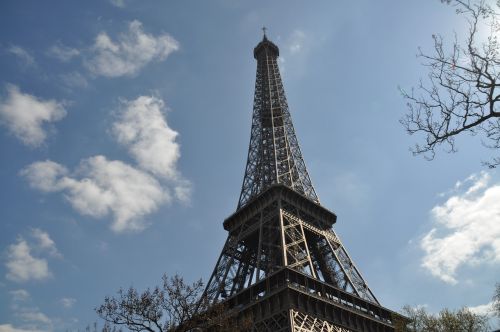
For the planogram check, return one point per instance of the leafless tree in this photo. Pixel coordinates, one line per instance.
(461, 93)
(173, 307)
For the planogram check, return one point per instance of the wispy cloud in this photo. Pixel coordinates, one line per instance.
(23, 55)
(131, 52)
(45, 243)
(118, 3)
(62, 52)
(68, 302)
(31, 317)
(28, 117)
(20, 295)
(294, 51)
(74, 80)
(296, 42)
(466, 229)
(11, 328)
(483, 309)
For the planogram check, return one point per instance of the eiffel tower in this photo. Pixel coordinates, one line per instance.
(282, 262)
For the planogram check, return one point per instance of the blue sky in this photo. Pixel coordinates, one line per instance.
(124, 133)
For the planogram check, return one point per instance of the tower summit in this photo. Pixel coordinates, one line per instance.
(282, 263)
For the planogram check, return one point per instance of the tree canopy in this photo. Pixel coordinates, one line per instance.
(446, 320)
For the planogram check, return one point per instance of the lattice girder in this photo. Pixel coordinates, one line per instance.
(274, 154)
(279, 322)
(302, 322)
(279, 234)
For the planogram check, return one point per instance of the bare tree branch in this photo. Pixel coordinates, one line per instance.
(173, 307)
(158, 310)
(460, 93)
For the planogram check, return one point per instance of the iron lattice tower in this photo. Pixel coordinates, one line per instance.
(282, 262)
(274, 154)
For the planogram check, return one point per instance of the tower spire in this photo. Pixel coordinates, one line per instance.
(274, 155)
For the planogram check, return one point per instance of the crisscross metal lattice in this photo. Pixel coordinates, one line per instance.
(274, 154)
(282, 263)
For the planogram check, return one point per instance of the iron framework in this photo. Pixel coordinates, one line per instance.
(282, 261)
(274, 154)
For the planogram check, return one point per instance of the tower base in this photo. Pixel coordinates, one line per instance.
(292, 301)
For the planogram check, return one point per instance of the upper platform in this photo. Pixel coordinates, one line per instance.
(324, 217)
(266, 44)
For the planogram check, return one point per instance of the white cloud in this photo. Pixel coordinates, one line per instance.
(68, 302)
(25, 115)
(142, 128)
(45, 243)
(10, 328)
(33, 319)
(74, 80)
(183, 190)
(44, 175)
(483, 309)
(100, 187)
(22, 265)
(466, 230)
(296, 41)
(24, 261)
(30, 316)
(34, 316)
(62, 52)
(26, 58)
(130, 53)
(480, 181)
(20, 295)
